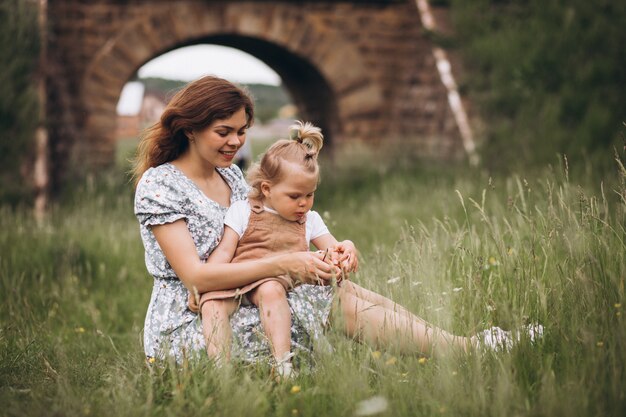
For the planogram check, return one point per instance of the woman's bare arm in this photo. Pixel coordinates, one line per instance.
(180, 251)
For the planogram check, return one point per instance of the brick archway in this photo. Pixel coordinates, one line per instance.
(363, 70)
(313, 72)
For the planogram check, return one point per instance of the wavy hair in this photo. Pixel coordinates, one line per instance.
(302, 148)
(193, 108)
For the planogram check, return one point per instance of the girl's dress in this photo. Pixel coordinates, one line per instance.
(164, 194)
(267, 234)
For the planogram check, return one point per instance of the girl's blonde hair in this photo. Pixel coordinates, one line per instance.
(193, 108)
(302, 148)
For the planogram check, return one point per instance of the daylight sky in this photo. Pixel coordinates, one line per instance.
(192, 62)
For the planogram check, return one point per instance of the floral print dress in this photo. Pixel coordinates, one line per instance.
(164, 195)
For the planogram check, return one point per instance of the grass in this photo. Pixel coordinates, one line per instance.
(460, 249)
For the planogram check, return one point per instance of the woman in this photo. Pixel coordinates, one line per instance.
(186, 182)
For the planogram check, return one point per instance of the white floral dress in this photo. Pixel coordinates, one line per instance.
(164, 194)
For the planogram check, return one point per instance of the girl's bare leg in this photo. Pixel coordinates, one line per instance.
(382, 326)
(271, 298)
(216, 326)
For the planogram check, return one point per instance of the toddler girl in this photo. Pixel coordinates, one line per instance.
(277, 218)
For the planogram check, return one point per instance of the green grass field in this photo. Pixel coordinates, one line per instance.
(461, 249)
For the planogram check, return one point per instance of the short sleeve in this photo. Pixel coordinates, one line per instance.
(315, 225)
(157, 199)
(237, 216)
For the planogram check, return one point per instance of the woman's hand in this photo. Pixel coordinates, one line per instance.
(308, 267)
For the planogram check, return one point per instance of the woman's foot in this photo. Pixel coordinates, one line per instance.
(533, 331)
(493, 338)
(501, 340)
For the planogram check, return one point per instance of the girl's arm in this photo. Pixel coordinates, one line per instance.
(180, 251)
(225, 251)
(346, 251)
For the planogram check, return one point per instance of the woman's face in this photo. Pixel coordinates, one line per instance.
(218, 143)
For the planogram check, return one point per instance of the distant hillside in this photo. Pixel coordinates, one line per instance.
(268, 99)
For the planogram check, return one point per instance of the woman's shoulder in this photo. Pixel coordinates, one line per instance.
(236, 181)
(232, 172)
(159, 176)
(159, 180)
(156, 174)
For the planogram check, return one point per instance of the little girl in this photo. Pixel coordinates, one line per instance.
(277, 218)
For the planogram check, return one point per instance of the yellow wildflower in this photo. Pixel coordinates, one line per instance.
(376, 354)
(391, 361)
(151, 359)
(618, 305)
(79, 330)
(295, 389)
(294, 412)
(600, 343)
(422, 360)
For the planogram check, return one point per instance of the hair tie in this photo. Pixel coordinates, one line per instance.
(295, 135)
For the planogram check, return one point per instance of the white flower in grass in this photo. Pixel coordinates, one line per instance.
(457, 289)
(374, 405)
(393, 280)
(415, 283)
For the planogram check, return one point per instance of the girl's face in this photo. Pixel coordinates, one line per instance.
(218, 143)
(292, 197)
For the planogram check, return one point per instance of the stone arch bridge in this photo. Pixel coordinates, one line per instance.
(362, 70)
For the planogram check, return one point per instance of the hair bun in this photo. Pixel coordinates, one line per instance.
(308, 135)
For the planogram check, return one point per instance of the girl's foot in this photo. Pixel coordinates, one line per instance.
(283, 370)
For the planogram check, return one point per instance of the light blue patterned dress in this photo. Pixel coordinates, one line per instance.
(164, 194)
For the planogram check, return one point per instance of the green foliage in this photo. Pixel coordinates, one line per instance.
(165, 86)
(549, 76)
(268, 99)
(464, 252)
(19, 49)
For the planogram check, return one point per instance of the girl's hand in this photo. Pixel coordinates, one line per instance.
(308, 267)
(348, 260)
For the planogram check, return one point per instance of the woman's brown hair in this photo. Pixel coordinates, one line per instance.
(193, 108)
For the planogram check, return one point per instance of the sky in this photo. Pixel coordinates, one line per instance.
(192, 62)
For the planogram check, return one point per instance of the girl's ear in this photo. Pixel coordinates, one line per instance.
(266, 188)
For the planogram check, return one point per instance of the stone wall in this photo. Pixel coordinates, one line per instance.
(363, 70)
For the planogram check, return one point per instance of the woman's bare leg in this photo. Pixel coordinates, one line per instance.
(375, 298)
(381, 326)
(271, 298)
(216, 326)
